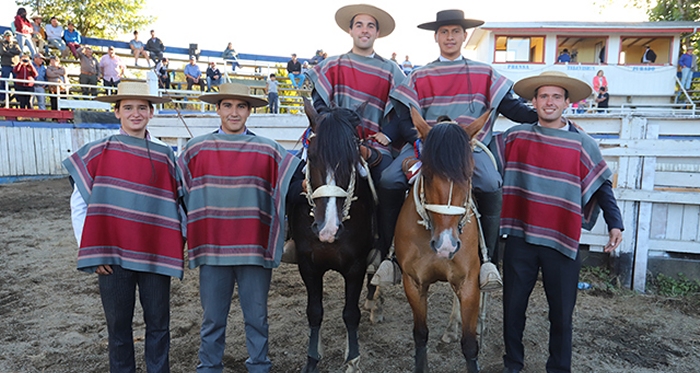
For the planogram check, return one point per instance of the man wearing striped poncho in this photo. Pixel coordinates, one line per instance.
(127, 222)
(555, 178)
(235, 186)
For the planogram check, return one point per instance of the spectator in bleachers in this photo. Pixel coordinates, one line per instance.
(57, 74)
(564, 56)
(54, 36)
(39, 87)
(213, 76)
(24, 70)
(163, 73)
(317, 58)
(89, 71)
(155, 47)
(73, 39)
(9, 57)
(112, 69)
(38, 34)
(24, 30)
(294, 72)
(137, 49)
(231, 55)
(602, 99)
(407, 66)
(272, 94)
(193, 74)
(393, 58)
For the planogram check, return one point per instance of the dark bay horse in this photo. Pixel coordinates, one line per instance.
(334, 230)
(437, 237)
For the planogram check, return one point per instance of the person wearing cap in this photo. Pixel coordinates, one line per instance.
(213, 76)
(39, 81)
(73, 39)
(54, 36)
(688, 63)
(24, 71)
(56, 73)
(38, 34)
(462, 90)
(235, 186)
(163, 74)
(128, 225)
(155, 47)
(89, 71)
(360, 76)
(294, 72)
(553, 176)
(9, 57)
(24, 30)
(112, 69)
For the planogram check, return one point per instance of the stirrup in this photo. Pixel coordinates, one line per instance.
(489, 278)
(289, 255)
(388, 273)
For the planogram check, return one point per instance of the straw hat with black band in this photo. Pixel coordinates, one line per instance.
(448, 18)
(132, 91)
(344, 16)
(578, 89)
(234, 91)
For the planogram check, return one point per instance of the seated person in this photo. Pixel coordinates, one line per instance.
(193, 74)
(163, 74)
(54, 35)
(73, 39)
(231, 55)
(213, 76)
(155, 47)
(137, 49)
(564, 56)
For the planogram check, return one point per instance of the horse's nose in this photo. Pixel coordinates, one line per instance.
(433, 245)
(314, 228)
(341, 228)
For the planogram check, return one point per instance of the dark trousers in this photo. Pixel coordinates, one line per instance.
(190, 83)
(118, 293)
(23, 99)
(88, 80)
(272, 98)
(522, 262)
(110, 83)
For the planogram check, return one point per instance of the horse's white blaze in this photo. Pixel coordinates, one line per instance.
(446, 244)
(331, 223)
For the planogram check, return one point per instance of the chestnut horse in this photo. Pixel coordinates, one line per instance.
(334, 230)
(437, 237)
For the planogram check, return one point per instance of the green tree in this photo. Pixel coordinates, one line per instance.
(93, 18)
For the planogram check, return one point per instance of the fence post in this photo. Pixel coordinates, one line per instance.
(152, 81)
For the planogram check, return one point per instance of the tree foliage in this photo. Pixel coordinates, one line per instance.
(673, 10)
(93, 18)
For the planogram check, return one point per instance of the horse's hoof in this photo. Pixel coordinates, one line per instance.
(369, 304)
(308, 369)
(450, 337)
(353, 366)
(473, 366)
(376, 317)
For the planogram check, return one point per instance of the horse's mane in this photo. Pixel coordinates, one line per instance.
(336, 141)
(447, 153)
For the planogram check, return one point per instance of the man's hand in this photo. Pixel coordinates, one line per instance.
(104, 270)
(614, 241)
(380, 138)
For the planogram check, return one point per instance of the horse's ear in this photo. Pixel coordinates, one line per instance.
(420, 123)
(310, 113)
(474, 127)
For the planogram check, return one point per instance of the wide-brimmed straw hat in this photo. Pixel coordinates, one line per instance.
(344, 16)
(578, 89)
(133, 91)
(234, 91)
(450, 17)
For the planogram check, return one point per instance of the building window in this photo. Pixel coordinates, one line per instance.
(633, 48)
(583, 49)
(525, 49)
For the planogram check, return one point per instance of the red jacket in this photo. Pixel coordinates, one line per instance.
(22, 26)
(26, 72)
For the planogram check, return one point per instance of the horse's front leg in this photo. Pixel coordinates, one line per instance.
(351, 316)
(469, 297)
(314, 313)
(418, 299)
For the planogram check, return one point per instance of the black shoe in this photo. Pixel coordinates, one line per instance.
(511, 370)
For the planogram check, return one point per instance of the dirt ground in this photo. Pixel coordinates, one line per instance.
(51, 318)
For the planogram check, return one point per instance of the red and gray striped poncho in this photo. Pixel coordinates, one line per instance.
(550, 176)
(234, 190)
(461, 89)
(131, 188)
(349, 80)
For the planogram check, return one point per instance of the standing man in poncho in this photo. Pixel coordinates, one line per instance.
(235, 185)
(554, 180)
(126, 217)
(462, 90)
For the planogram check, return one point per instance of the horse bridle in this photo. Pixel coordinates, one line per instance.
(336, 191)
(422, 208)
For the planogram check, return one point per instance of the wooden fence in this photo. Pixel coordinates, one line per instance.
(655, 161)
